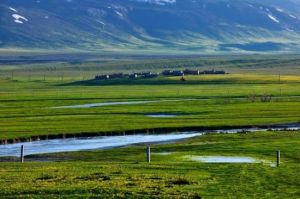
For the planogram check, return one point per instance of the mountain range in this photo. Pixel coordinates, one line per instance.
(198, 26)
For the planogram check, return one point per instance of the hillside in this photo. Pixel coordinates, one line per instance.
(202, 26)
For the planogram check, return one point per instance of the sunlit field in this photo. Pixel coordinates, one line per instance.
(35, 104)
(213, 101)
(124, 172)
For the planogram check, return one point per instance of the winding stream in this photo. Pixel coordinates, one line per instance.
(91, 105)
(78, 144)
(103, 142)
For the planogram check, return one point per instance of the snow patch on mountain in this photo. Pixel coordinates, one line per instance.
(158, 2)
(101, 22)
(119, 14)
(289, 14)
(19, 19)
(292, 16)
(12, 9)
(273, 18)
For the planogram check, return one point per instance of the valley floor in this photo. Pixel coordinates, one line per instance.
(31, 108)
(48, 100)
(123, 172)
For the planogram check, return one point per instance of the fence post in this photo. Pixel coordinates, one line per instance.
(278, 158)
(148, 152)
(22, 154)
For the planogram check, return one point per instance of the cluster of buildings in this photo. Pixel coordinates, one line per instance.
(131, 76)
(153, 75)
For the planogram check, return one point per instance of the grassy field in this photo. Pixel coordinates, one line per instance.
(219, 100)
(31, 91)
(123, 172)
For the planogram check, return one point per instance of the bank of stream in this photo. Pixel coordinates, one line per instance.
(103, 142)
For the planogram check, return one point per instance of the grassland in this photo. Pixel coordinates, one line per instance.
(123, 172)
(30, 89)
(26, 105)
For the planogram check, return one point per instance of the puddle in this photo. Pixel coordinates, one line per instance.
(161, 115)
(100, 142)
(224, 159)
(163, 153)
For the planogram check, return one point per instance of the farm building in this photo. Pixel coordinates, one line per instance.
(101, 77)
(191, 72)
(173, 73)
(133, 76)
(149, 75)
(117, 75)
(214, 72)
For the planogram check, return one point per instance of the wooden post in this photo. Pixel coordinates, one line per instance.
(148, 152)
(278, 158)
(22, 154)
(280, 92)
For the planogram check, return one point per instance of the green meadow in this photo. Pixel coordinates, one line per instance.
(124, 173)
(213, 101)
(33, 96)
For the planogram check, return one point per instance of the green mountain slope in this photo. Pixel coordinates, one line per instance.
(151, 25)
